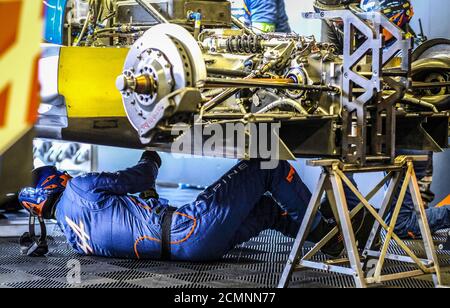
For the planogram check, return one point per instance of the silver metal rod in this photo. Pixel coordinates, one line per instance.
(242, 26)
(152, 11)
(398, 276)
(222, 97)
(326, 267)
(424, 226)
(305, 227)
(262, 83)
(399, 258)
(346, 225)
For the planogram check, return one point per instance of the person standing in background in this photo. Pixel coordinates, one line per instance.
(263, 16)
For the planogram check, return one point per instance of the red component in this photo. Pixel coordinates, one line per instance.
(34, 208)
(9, 23)
(291, 175)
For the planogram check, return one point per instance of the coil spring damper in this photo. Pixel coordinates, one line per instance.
(244, 44)
(165, 59)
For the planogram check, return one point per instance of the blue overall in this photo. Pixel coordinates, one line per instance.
(271, 12)
(99, 217)
(407, 224)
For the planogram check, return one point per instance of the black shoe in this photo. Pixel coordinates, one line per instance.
(362, 234)
(325, 209)
(335, 246)
(362, 225)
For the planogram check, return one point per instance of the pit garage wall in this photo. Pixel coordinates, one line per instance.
(201, 171)
(434, 15)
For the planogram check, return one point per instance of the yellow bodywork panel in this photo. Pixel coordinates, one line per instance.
(87, 81)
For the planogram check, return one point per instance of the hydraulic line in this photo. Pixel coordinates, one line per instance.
(283, 102)
(83, 31)
(419, 102)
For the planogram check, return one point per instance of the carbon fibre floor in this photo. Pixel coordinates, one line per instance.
(257, 263)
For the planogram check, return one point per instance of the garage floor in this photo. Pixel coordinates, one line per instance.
(258, 263)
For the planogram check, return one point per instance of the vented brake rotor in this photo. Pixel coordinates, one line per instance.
(165, 59)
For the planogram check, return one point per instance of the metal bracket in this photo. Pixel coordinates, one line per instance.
(371, 26)
(384, 130)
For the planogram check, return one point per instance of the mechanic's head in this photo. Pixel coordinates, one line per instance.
(399, 12)
(41, 198)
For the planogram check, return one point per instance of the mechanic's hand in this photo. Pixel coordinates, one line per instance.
(151, 156)
(149, 194)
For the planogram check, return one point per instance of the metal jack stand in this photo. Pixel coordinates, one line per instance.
(331, 182)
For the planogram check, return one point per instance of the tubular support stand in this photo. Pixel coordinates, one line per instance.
(331, 183)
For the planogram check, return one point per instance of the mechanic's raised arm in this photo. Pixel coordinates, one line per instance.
(133, 180)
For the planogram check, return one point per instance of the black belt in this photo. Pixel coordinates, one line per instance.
(166, 227)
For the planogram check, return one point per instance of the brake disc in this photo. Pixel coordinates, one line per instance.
(165, 59)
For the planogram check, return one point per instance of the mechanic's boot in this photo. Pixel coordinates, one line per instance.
(362, 225)
(363, 233)
(334, 247)
(325, 209)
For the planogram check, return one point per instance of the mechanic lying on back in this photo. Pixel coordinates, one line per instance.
(100, 217)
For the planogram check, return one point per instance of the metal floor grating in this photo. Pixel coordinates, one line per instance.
(258, 263)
